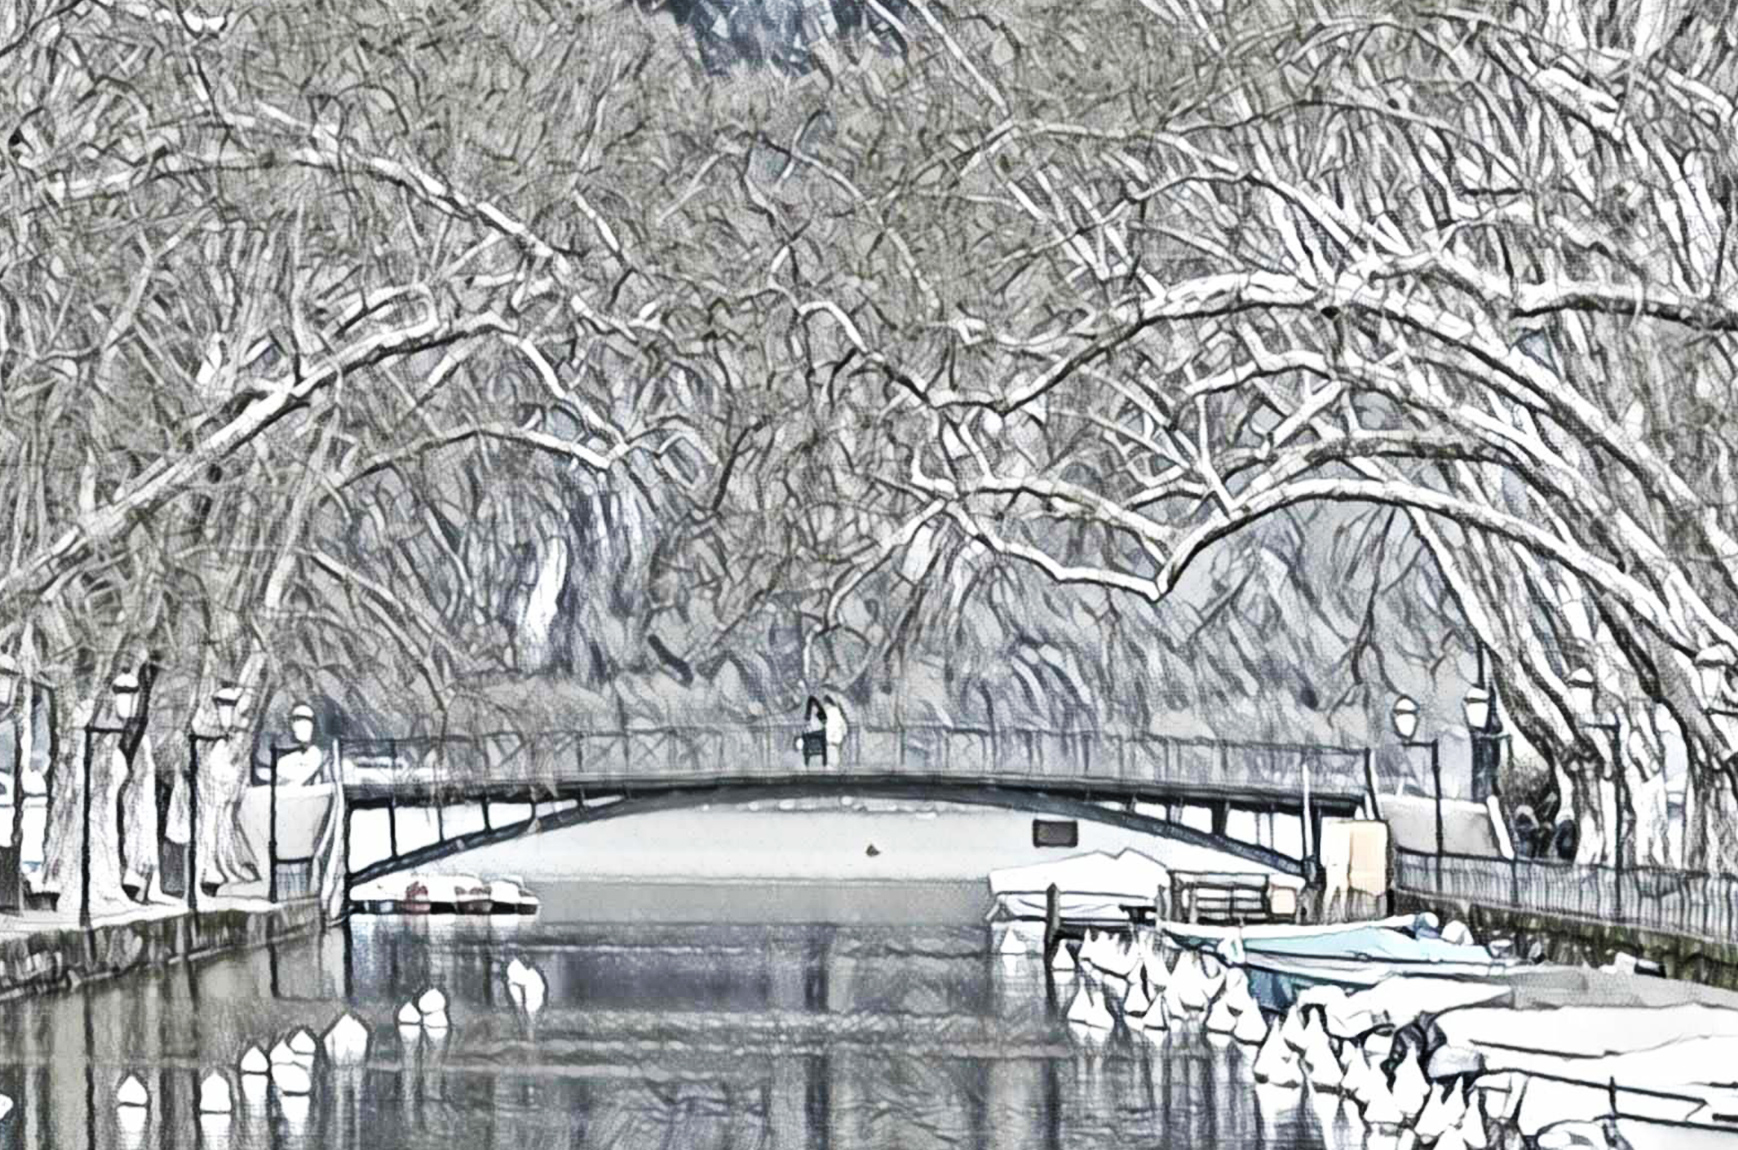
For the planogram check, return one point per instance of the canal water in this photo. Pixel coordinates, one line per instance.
(716, 1017)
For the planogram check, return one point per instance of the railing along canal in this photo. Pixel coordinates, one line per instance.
(554, 762)
(1686, 904)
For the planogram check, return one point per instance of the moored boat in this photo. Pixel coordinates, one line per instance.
(1350, 955)
(1095, 888)
(1560, 1045)
(1204, 937)
(1651, 1101)
(416, 898)
(377, 897)
(509, 896)
(471, 895)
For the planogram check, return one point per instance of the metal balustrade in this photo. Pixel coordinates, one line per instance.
(548, 779)
(443, 768)
(1686, 904)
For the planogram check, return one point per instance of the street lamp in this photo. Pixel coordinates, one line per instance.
(1478, 708)
(12, 897)
(302, 724)
(302, 731)
(1481, 722)
(1406, 725)
(125, 689)
(226, 698)
(1581, 691)
(1583, 696)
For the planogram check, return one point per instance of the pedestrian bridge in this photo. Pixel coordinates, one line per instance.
(487, 789)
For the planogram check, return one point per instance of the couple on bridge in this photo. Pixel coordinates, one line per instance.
(825, 737)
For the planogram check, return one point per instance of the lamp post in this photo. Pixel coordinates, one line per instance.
(226, 699)
(302, 731)
(1486, 743)
(12, 893)
(1406, 725)
(125, 689)
(1484, 728)
(1583, 699)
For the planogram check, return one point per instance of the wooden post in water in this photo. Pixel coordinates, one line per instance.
(192, 883)
(1052, 922)
(272, 830)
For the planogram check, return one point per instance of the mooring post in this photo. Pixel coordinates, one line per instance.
(84, 887)
(435, 758)
(192, 878)
(1052, 922)
(12, 896)
(272, 834)
(392, 825)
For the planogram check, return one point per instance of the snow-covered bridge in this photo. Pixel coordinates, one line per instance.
(488, 789)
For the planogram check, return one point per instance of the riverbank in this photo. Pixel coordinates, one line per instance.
(43, 956)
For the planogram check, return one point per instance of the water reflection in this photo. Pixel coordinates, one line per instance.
(715, 1036)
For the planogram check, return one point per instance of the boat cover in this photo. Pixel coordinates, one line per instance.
(1126, 877)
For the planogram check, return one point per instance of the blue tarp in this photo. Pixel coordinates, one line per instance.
(1355, 941)
(1372, 942)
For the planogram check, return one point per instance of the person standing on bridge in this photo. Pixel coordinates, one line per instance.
(813, 741)
(836, 728)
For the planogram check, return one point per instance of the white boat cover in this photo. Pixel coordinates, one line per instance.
(1093, 887)
(1398, 1000)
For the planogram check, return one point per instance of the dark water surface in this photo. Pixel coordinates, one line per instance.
(714, 1017)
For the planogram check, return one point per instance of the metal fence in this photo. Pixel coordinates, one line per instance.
(1687, 904)
(555, 760)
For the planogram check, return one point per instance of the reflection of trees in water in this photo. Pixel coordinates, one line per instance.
(867, 1076)
(703, 1116)
(950, 986)
(701, 967)
(896, 1100)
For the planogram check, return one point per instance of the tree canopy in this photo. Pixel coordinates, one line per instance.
(1130, 357)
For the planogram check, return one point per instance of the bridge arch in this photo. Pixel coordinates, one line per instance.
(573, 779)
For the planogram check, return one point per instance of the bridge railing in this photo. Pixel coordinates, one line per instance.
(1687, 904)
(435, 767)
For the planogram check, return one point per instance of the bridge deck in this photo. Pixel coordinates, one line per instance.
(513, 766)
(375, 793)
(1061, 772)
